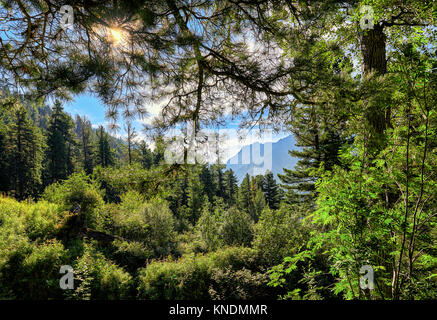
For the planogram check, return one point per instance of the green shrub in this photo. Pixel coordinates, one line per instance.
(151, 223)
(196, 276)
(240, 284)
(77, 189)
(278, 234)
(31, 271)
(236, 228)
(133, 254)
(98, 278)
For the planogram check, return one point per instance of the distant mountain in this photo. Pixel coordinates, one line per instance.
(254, 159)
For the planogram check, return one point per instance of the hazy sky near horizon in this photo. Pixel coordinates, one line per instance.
(94, 110)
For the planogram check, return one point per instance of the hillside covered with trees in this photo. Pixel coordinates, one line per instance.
(353, 80)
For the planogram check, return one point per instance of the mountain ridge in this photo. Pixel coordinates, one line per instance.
(251, 158)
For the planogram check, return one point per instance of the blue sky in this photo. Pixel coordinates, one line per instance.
(89, 105)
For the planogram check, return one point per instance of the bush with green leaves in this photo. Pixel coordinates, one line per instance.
(279, 233)
(197, 276)
(151, 223)
(98, 278)
(208, 225)
(78, 189)
(236, 228)
(31, 271)
(240, 284)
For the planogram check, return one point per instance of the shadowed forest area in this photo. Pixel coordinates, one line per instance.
(353, 81)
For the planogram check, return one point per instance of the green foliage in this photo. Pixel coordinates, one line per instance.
(199, 276)
(60, 143)
(24, 155)
(279, 233)
(99, 279)
(271, 190)
(151, 223)
(236, 228)
(104, 152)
(208, 226)
(78, 189)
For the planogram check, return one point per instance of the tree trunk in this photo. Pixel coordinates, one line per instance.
(373, 50)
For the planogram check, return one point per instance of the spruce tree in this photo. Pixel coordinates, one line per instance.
(207, 178)
(219, 180)
(271, 190)
(195, 195)
(25, 155)
(85, 134)
(104, 152)
(244, 197)
(231, 187)
(4, 155)
(60, 144)
(145, 155)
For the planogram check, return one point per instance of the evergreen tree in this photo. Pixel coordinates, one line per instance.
(244, 202)
(158, 152)
(4, 155)
(271, 190)
(130, 139)
(104, 152)
(85, 134)
(60, 144)
(219, 180)
(231, 187)
(207, 178)
(251, 198)
(208, 225)
(145, 155)
(258, 201)
(318, 145)
(25, 155)
(195, 195)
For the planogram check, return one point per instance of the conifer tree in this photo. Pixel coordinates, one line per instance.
(4, 175)
(130, 139)
(244, 196)
(158, 152)
(231, 186)
(271, 190)
(258, 201)
(145, 155)
(251, 198)
(317, 145)
(25, 155)
(85, 134)
(105, 155)
(219, 180)
(195, 195)
(207, 178)
(60, 142)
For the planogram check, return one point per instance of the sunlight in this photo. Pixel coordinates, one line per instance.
(116, 35)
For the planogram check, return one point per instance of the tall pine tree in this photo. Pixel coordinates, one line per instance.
(271, 190)
(104, 152)
(85, 134)
(25, 155)
(60, 144)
